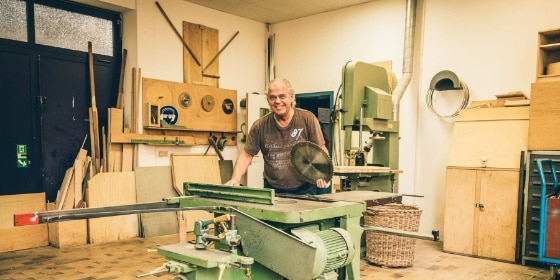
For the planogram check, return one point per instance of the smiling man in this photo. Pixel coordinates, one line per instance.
(274, 135)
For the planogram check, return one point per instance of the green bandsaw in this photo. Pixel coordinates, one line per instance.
(367, 107)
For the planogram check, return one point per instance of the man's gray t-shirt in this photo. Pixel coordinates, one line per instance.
(276, 143)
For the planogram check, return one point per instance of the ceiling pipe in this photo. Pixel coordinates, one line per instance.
(408, 53)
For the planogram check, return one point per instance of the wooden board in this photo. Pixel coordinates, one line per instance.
(493, 114)
(497, 134)
(79, 173)
(24, 237)
(544, 116)
(110, 189)
(195, 116)
(489, 232)
(458, 223)
(203, 42)
(128, 149)
(67, 182)
(132, 137)
(497, 223)
(193, 168)
(152, 185)
(68, 202)
(115, 149)
(68, 233)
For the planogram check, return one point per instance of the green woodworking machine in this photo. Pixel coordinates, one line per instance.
(259, 236)
(255, 234)
(367, 106)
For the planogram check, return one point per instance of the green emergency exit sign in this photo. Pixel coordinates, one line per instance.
(21, 156)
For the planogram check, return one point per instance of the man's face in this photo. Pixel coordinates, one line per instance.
(280, 100)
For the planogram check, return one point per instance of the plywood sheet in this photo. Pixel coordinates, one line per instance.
(68, 233)
(115, 149)
(110, 189)
(544, 116)
(23, 238)
(493, 114)
(207, 109)
(497, 227)
(193, 168)
(458, 222)
(203, 42)
(152, 185)
(64, 188)
(498, 136)
(17, 238)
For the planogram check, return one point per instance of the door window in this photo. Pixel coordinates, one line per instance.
(70, 30)
(13, 20)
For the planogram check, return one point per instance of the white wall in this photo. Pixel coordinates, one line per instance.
(490, 45)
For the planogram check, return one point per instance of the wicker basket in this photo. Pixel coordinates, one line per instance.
(387, 249)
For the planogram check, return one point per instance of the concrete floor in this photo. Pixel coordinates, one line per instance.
(127, 259)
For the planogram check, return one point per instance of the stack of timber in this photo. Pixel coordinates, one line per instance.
(79, 190)
(70, 196)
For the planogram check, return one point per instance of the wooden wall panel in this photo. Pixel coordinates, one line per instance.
(203, 42)
(544, 116)
(497, 134)
(194, 117)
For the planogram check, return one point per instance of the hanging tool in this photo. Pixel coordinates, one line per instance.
(226, 166)
(178, 34)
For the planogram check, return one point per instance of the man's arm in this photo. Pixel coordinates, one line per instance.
(241, 165)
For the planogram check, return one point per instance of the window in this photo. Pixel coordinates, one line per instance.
(13, 20)
(56, 27)
(70, 30)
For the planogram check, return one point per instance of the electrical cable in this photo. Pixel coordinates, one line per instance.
(464, 103)
(335, 119)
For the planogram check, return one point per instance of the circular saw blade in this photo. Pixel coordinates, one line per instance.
(311, 162)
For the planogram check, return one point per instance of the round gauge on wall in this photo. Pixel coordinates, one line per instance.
(208, 103)
(185, 100)
(227, 106)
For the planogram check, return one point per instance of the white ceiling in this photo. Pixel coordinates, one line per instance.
(275, 11)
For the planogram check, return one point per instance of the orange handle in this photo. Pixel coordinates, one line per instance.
(26, 219)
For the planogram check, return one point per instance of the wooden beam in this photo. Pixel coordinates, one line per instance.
(138, 138)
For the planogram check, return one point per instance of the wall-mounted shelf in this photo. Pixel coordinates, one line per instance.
(548, 53)
(198, 137)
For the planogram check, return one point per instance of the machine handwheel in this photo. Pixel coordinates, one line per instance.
(180, 277)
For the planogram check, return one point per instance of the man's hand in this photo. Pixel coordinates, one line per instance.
(232, 182)
(322, 184)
